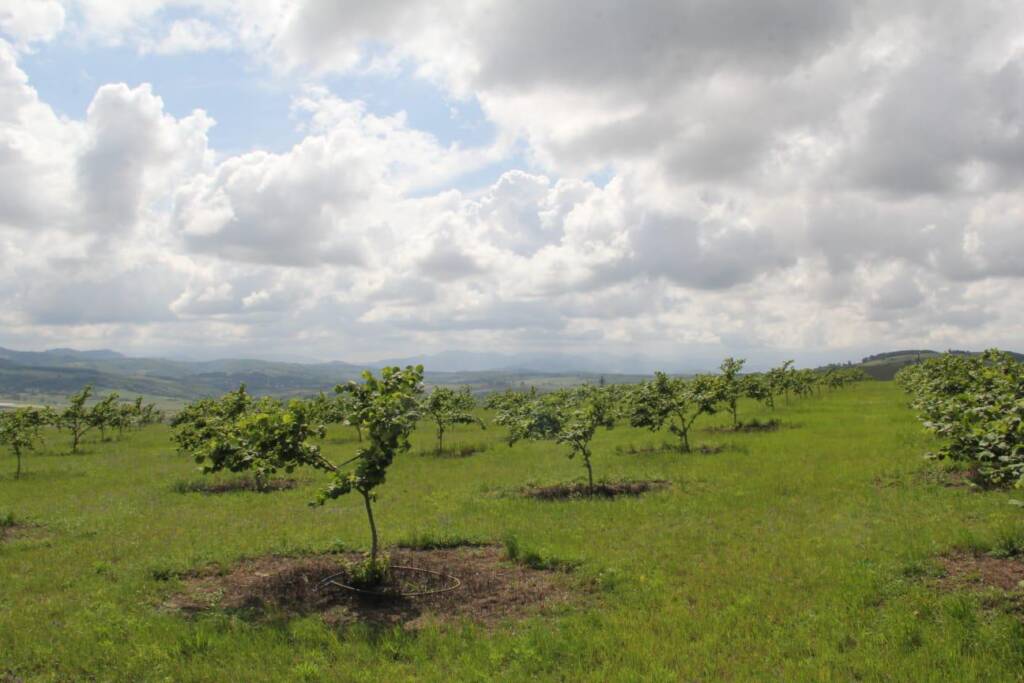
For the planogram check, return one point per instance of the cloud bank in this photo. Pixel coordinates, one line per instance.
(784, 176)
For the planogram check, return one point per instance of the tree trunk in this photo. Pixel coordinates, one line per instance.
(75, 435)
(359, 431)
(685, 437)
(590, 474)
(17, 473)
(440, 438)
(373, 526)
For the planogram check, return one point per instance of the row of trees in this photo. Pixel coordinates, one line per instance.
(976, 405)
(573, 416)
(238, 432)
(21, 429)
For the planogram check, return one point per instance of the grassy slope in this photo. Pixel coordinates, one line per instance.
(791, 557)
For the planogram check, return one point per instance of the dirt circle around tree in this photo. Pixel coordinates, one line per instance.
(603, 489)
(490, 589)
(245, 484)
(21, 530)
(964, 570)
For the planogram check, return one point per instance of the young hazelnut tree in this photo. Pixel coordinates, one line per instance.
(351, 407)
(674, 401)
(19, 431)
(238, 433)
(730, 387)
(778, 382)
(76, 417)
(566, 417)
(390, 409)
(447, 407)
(105, 414)
(593, 408)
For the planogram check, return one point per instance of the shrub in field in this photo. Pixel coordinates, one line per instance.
(837, 378)
(75, 417)
(569, 417)
(390, 409)
(136, 415)
(241, 434)
(759, 388)
(592, 408)
(351, 407)
(778, 381)
(730, 387)
(447, 407)
(326, 410)
(805, 382)
(105, 414)
(674, 401)
(976, 405)
(532, 415)
(19, 431)
(127, 415)
(238, 433)
(510, 407)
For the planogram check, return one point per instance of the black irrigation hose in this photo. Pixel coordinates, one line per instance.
(456, 583)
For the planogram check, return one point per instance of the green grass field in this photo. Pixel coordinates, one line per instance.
(801, 554)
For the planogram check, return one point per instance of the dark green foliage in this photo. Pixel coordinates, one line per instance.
(389, 409)
(19, 431)
(447, 407)
(529, 415)
(237, 433)
(569, 417)
(674, 401)
(976, 405)
(105, 414)
(75, 418)
(730, 387)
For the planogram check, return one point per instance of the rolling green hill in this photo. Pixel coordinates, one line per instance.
(884, 366)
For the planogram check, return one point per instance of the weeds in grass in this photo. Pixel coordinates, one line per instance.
(1004, 542)
(455, 451)
(533, 559)
(369, 572)
(233, 485)
(1009, 542)
(430, 541)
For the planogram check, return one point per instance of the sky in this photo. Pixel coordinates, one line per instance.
(329, 179)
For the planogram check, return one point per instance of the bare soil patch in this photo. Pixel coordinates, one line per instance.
(234, 486)
(16, 530)
(455, 451)
(966, 479)
(966, 570)
(604, 489)
(771, 425)
(492, 589)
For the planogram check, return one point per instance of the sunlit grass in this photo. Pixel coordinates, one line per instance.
(789, 555)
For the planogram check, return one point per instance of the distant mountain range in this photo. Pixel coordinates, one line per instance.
(35, 375)
(483, 361)
(27, 375)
